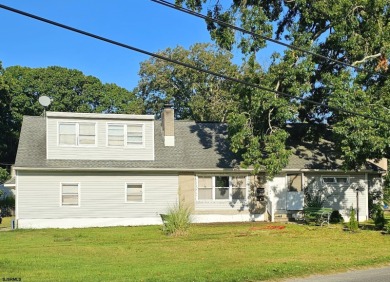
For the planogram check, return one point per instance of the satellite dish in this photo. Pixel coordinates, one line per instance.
(44, 101)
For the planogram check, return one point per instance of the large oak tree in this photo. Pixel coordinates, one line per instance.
(195, 95)
(355, 32)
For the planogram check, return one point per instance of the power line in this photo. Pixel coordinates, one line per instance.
(185, 64)
(188, 11)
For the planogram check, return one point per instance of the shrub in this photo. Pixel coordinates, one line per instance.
(7, 205)
(336, 217)
(4, 175)
(374, 209)
(313, 198)
(353, 224)
(386, 230)
(178, 220)
(379, 219)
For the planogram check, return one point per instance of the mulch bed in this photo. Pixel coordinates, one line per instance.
(268, 227)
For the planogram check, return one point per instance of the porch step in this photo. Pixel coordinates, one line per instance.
(281, 217)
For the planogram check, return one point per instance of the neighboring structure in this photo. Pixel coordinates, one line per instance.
(8, 189)
(7, 196)
(84, 170)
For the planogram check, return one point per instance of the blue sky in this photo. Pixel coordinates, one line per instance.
(140, 23)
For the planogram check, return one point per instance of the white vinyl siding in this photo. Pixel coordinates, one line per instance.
(101, 194)
(70, 194)
(134, 193)
(339, 191)
(125, 135)
(76, 134)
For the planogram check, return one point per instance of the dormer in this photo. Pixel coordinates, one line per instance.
(89, 136)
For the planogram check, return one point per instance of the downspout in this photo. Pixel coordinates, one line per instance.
(15, 224)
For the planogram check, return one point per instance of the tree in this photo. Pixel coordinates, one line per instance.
(355, 32)
(71, 90)
(195, 95)
(4, 175)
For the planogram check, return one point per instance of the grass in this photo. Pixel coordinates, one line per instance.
(6, 223)
(215, 252)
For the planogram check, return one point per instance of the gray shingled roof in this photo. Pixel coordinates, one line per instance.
(197, 146)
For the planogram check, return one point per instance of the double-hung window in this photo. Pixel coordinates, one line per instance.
(70, 194)
(221, 187)
(135, 134)
(116, 135)
(134, 193)
(335, 179)
(77, 134)
(239, 188)
(120, 135)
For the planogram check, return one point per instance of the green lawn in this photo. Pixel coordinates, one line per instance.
(217, 252)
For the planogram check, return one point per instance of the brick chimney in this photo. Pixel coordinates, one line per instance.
(168, 125)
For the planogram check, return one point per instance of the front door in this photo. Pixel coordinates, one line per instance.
(295, 195)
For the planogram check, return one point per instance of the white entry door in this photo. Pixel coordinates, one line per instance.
(278, 193)
(295, 195)
(295, 201)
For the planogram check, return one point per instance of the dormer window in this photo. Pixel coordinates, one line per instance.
(120, 135)
(76, 134)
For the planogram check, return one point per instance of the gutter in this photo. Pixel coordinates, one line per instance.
(133, 169)
(113, 169)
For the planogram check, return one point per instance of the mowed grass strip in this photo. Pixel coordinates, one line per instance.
(215, 252)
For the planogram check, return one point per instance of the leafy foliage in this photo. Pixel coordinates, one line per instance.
(195, 95)
(353, 32)
(256, 118)
(386, 189)
(313, 198)
(7, 205)
(379, 219)
(353, 224)
(336, 217)
(4, 175)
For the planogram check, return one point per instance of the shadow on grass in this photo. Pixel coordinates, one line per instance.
(6, 224)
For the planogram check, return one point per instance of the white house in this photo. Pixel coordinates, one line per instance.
(84, 170)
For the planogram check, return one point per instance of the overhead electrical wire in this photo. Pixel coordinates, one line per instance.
(254, 34)
(158, 56)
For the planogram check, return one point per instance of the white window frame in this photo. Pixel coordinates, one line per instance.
(230, 199)
(143, 192)
(125, 137)
(78, 194)
(77, 128)
(335, 177)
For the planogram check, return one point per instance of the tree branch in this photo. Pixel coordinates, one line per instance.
(269, 120)
(366, 58)
(320, 32)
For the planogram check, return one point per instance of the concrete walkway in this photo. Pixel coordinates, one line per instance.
(371, 275)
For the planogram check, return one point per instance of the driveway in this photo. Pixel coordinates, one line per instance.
(371, 275)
